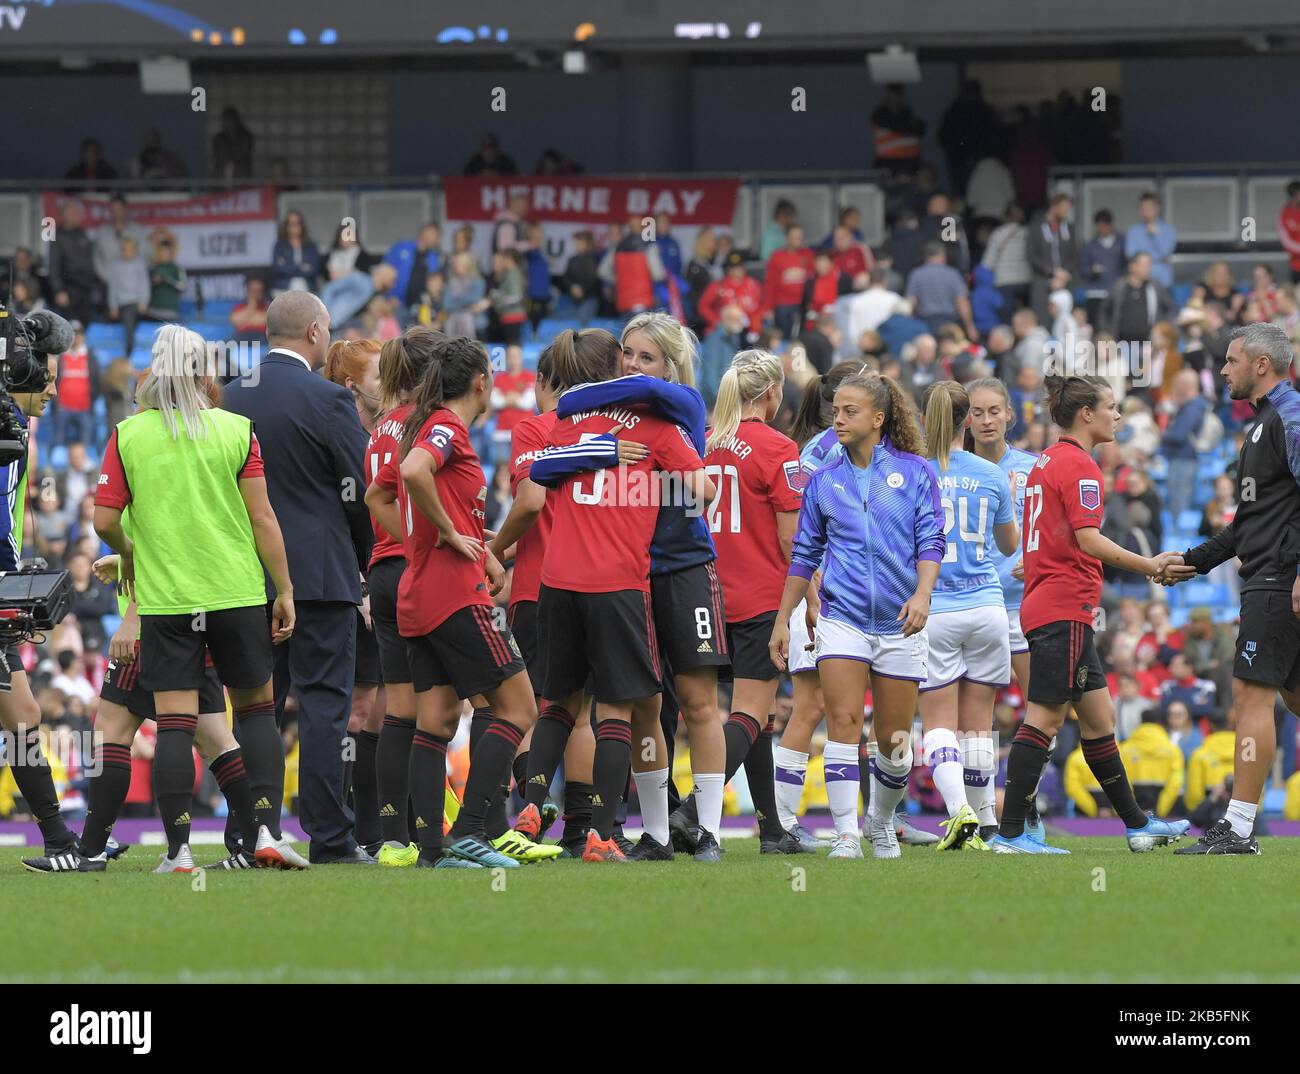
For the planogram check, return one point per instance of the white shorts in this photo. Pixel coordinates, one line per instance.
(801, 659)
(891, 655)
(969, 644)
(1018, 643)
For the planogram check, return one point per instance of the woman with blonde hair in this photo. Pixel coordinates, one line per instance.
(969, 632)
(752, 519)
(202, 532)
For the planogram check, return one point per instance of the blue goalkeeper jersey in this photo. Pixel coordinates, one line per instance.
(681, 537)
(976, 496)
(1016, 464)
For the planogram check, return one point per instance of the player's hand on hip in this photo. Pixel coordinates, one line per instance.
(469, 547)
(283, 618)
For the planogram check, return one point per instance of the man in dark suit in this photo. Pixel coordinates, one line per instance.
(313, 445)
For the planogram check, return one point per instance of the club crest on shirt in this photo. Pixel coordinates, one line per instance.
(1089, 494)
(795, 476)
(894, 481)
(1259, 430)
(1022, 479)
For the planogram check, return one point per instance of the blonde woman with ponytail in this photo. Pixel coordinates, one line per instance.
(658, 370)
(970, 650)
(752, 519)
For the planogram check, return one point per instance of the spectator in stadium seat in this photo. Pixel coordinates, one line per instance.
(538, 274)
(1210, 764)
(313, 445)
(155, 160)
(905, 248)
(1178, 444)
(989, 192)
(896, 132)
(1130, 705)
(1264, 290)
(295, 259)
(1026, 397)
(820, 341)
(24, 270)
(91, 599)
(166, 282)
(248, 318)
(942, 223)
(91, 167)
(821, 290)
(1199, 695)
(736, 288)
(465, 298)
(866, 311)
(1136, 304)
(920, 365)
(513, 400)
(346, 298)
(1082, 787)
(718, 348)
(128, 291)
(489, 160)
(784, 217)
(1154, 765)
(1052, 249)
(73, 281)
(938, 293)
(1183, 732)
(78, 388)
(1101, 262)
(412, 261)
(1155, 237)
(852, 256)
(508, 296)
(1005, 255)
(232, 148)
(1217, 285)
(117, 383)
(582, 284)
(786, 273)
(1288, 228)
(1210, 649)
(347, 255)
(109, 237)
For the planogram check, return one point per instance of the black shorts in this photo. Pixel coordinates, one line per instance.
(523, 625)
(367, 660)
(122, 687)
(239, 639)
(607, 637)
(1063, 663)
(689, 618)
(1268, 640)
(747, 644)
(384, 578)
(471, 650)
(13, 660)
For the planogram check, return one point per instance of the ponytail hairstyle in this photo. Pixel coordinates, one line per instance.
(1066, 396)
(179, 381)
(676, 342)
(448, 375)
(946, 407)
(750, 375)
(581, 357)
(814, 412)
(900, 413)
(986, 384)
(402, 362)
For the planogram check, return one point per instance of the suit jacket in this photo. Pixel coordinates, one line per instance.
(314, 448)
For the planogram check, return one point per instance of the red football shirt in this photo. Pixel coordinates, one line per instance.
(757, 475)
(385, 443)
(604, 519)
(1063, 493)
(529, 441)
(439, 581)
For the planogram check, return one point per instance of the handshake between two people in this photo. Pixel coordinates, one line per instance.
(1168, 568)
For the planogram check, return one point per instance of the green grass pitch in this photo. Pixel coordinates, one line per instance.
(1101, 915)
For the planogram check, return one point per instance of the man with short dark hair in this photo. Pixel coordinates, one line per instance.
(1101, 263)
(938, 293)
(313, 445)
(1053, 253)
(1265, 535)
(1155, 237)
(1135, 304)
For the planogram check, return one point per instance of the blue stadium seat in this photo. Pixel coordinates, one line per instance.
(1181, 292)
(1188, 521)
(1179, 617)
(1198, 592)
(111, 623)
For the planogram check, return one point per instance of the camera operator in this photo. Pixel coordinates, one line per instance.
(31, 374)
